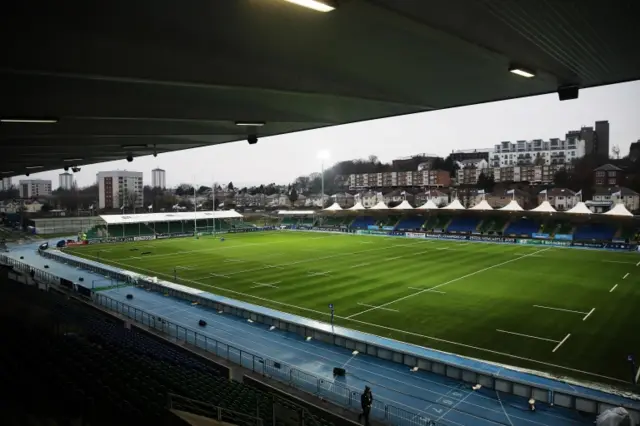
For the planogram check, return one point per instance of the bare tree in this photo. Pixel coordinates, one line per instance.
(616, 151)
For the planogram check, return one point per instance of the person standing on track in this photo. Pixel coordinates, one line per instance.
(366, 400)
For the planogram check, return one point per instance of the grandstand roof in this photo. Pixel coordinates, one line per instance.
(482, 205)
(457, 52)
(619, 210)
(404, 205)
(429, 205)
(357, 206)
(544, 207)
(296, 212)
(454, 205)
(380, 206)
(513, 206)
(580, 208)
(333, 207)
(117, 219)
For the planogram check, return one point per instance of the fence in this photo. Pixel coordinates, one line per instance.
(177, 402)
(321, 387)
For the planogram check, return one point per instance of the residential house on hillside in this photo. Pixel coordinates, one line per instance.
(278, 200)
(609, 175)
(439, 198)
(605, 198)
(500, 198)
(316, 200)
(344, 199)
(368, 198)
(398, 196)
(18, 205)
(301, 201)
(561, 199)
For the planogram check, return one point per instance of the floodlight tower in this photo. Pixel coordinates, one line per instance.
(322, 156)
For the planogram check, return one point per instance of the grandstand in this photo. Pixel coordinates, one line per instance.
(463, 224)
(523, 226)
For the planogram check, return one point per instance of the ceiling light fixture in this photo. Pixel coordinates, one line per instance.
(317, 5)
(29, 120)
(34, 167)
(250, 123)
(67, 160)
(8, 172)
(139, 146)
(522, 72)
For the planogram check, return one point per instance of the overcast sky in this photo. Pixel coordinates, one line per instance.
(281, 159)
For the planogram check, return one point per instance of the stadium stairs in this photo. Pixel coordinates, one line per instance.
(89, 368)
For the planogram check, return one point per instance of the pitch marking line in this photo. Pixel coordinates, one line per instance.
(638, 264)
(427, 289)
(449, 282)
(359, 265)
(560, 344)
(187, 268)
(272, 285)
(559, 309)
(619, 261)
(315, 274)
(527, 335)
(234, 260)
(373, 306)
(587, 316)
(218, 275)
(625, 276)
(421, 252)
(613, 288)
(394, 258)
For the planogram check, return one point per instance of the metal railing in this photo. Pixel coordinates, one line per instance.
(181, 403)
(319, 386)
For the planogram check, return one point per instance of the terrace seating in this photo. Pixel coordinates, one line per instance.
(595, 231)
(522, 227)
(410, 223)
(363, 222)
(463, 224)
(437, 223)
(388, 221)
(556, 226)
(107, 374)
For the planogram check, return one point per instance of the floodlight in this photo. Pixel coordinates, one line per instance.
(29, 120)
(522, 72)
(317, 5)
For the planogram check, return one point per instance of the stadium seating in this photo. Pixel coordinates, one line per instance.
(522, 226)
(556, 226)
(107, 374)
(463, 224)
(410, 223)
(363, 222)
(595, 231)
(438, 223)
(333, 221)
(493, 225)
(391, 220)
(289, 220)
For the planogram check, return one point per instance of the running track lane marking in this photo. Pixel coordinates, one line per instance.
(505, 411)
(370, 324)
(448, 282)
(560, 344)
(625, 276)
(373, 306)
(587, 316)
(613, 288)
(527, 335)
(559, 309)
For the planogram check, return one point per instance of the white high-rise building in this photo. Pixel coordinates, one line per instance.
(158, 178)
(120, 187)
(65, 180)
(5, 184)
(536, 152)
(30, 188)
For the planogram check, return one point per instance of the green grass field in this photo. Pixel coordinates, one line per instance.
(505, 303)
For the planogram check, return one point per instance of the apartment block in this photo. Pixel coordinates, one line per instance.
(432, 178)
(537, 152)
(30, 188)
(120, 187)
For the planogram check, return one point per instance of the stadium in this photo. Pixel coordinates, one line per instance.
(450, 315)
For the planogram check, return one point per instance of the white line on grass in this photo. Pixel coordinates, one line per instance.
(618, 261)
(370, 324)
(587, 316)
(449, 282)
(359, 265)
(427, 289)
(527, 335)
(613, 288)
(421, 252)
(559, 309)
(560, 344)
(315, 274)
(625, 276)
(187, 268)
(233, 260)
(638, 264)
(394, 258)
(273, 285)
(373, 306)
(218, 275)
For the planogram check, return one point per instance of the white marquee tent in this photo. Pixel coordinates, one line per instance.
(380, 206)
(116, 219)
(404, 205)
(482, 206)
(454, 205)
(357, 206)
(513, 206)
(333, 208)
(580, 208)
(429, 205)
(619, 210)
(544, 207)
(296, 212)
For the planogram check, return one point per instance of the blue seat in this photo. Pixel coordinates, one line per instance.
(463, 224)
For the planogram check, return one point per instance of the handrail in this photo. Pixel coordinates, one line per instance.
(201, 408)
